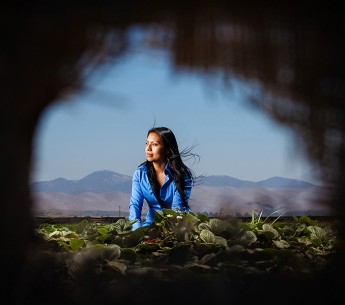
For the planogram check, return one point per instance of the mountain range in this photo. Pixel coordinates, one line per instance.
(108, 193)
(106, 181)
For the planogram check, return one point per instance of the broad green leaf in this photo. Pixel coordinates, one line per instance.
(121, 222)
(128, 254)
(304, 240)
(202, 217)
(220, 241)
(146, 248)
(249, 237)
(76, 244)
(124, 232)
(315, 240)
(306, 220)
(134, 237)
(160, 213)
(103, 238)
(236, 249)
(118, 266)
(128, 224)
(207, 237)
(207, 257)
(269, 231)
(102, 230)
(65, 245)
(319, 232)
(203, 226)
(191, 219)
(217, 225)
(300, 227)
(159, 216)
(188, 236)
(170, 212)
(282, 244)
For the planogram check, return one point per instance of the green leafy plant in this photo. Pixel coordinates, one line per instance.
(198, 243)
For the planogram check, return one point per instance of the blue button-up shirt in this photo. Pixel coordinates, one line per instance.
(169, 195)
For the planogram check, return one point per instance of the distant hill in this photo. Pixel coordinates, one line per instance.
(279, 182)
(274, 182)
(105, 181)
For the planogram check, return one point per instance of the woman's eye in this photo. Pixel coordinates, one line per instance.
(153, 144)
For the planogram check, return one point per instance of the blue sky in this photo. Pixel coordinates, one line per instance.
(105, 125)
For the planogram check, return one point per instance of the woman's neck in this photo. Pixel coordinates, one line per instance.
(159, 166)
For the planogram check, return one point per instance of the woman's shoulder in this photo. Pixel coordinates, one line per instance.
(140, 172)
(141, 168)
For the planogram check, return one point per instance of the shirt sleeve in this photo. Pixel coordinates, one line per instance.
(177, 200)
(136, 201)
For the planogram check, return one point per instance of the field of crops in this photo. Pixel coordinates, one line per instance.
(190, 257)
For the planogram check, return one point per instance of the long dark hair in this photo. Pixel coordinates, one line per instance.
(178, 169)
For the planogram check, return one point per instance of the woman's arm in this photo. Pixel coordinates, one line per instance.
(136, 201)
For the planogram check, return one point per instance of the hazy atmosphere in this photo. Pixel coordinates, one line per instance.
(104, 127)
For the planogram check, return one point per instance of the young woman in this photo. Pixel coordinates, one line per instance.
(163, 180)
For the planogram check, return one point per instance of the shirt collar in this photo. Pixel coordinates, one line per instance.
(167, 169)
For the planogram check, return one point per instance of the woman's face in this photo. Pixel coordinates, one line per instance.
(155, 150)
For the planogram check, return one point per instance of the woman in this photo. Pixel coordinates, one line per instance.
(163, 180)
